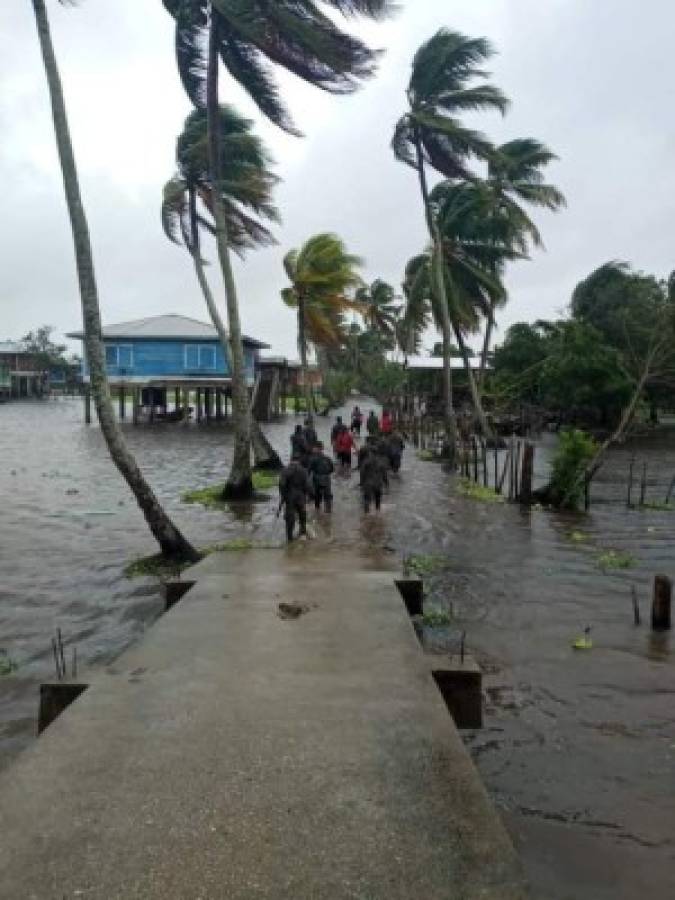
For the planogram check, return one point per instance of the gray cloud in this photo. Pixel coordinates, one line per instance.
(593, 80)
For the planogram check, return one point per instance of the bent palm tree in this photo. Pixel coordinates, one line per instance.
(515, 178)
(379, 309)
(246, 189)
(173, 544)
(249, 37)
(431, 134)
(321, 273)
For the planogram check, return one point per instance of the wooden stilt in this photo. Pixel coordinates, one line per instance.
(207, 405)
(135, 405)
(87, 405)
(643, 484)
(122, 396)
(630, 480)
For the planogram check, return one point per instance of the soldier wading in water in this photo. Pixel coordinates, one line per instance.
(294, 488)
(321, 468)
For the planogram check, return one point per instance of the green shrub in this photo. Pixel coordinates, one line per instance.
(437, 618)
(479, 492)
(615, 559)
(575, 450)
(423, 565)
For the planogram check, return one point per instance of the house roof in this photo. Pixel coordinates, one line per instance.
(435, 363)
(165, 328)
(13, 347)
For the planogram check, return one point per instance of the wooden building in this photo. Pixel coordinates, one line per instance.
(168, 366)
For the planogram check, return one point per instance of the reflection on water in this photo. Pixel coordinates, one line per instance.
(578, 749)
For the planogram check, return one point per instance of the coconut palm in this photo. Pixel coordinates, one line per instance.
(322, 275)
(431, 133)
(250, 37)
(379, 309)
(515, 178)
(246, 188)
(172, 543)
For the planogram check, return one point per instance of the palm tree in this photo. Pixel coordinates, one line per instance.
(249, 38)
(246, 188)
(321, 273)
(379, 309)
(431, 133)
(172, 543)
(515, 177)
(476, 245)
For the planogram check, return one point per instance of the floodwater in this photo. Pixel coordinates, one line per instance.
(578, 748)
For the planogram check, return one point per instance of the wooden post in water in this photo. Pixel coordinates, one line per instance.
(135, 404)
(485, 468)
(630, 481)
(643, 483)
(516, 471)
(122, 396)
(199, 404)
(527, 474)
(87, 405)
(219, 405)
(671, 487)
(496, 464)
(474, 443)
(663, 589)
(207, 404)
(636, 605)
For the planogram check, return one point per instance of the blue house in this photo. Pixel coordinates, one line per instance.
(150, 356)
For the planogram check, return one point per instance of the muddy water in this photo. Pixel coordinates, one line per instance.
(578, 749)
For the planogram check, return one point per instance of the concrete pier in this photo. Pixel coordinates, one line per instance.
(277, 734)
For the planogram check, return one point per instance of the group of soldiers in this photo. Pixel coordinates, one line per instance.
(310, 471)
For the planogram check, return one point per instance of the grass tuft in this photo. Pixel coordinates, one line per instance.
(615, 559)
(212, 497)
(423, 565)
(155, 566)
(659, 505)
(7, 664)
(437, 618)
(479, 492)
(578, 537)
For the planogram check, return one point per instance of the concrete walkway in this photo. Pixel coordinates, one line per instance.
(235, 753)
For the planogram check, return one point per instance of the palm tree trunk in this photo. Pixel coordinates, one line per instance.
(239, 483)
(170, 539)
(438, 285)
(264, 453)
(487, 340)
(473, 387)
(302, 348)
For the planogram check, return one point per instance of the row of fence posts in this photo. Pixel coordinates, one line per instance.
(513, 476)
(642, 482)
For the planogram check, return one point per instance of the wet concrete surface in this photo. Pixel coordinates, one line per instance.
(578, 749)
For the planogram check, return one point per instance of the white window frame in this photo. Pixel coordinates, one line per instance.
(117, 348)
(202, 350)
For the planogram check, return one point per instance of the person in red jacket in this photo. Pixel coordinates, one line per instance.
(344, 444)
(386, 422)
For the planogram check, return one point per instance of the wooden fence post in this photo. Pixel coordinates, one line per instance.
(527, 474)
(663, 589)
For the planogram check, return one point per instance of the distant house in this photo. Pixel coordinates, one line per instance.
(168, 350)
(20, 374)
(155, 355)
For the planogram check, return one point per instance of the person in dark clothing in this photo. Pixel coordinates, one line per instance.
(335, 430)
(357, 421)
(373, 474)
(310, 434)
(299, 446)
(394, 448)
(321, 468)
(372, 424)
(294, 488)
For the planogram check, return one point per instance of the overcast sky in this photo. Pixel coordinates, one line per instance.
(591, 78)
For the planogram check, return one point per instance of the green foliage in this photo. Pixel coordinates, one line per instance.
(212, 497)
(7, 664)
(155, 566)
(575, 450)
(255, 38)
(47, 354)
(383, 379)
(615, 559)
(421, 565)
(479, 492)
(437, 618)
(659, 505)
(578, 537)
(426, 455)
(337, 386)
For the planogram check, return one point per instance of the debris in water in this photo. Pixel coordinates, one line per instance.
(294, 609)
(584, 642)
